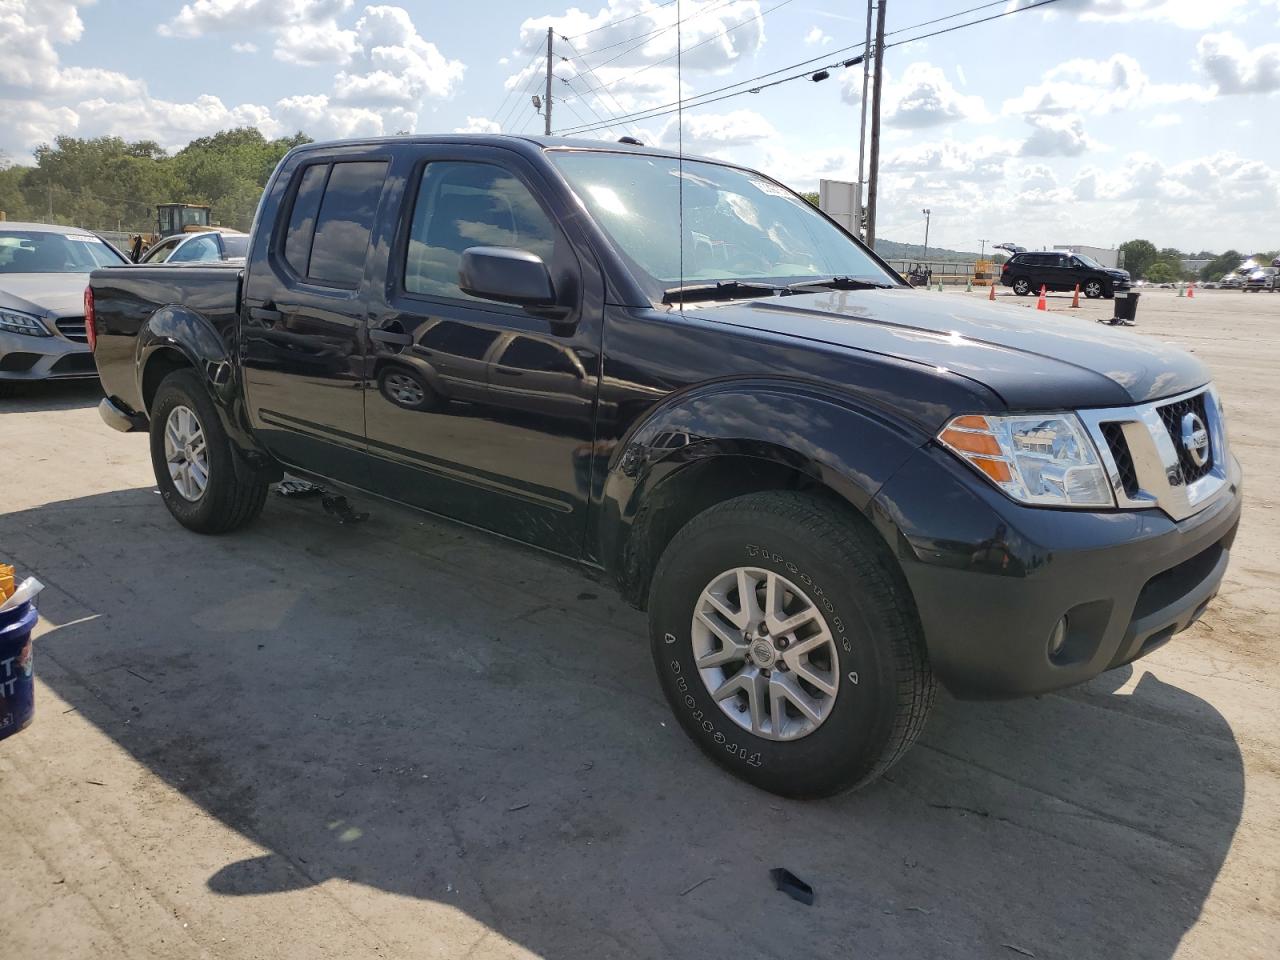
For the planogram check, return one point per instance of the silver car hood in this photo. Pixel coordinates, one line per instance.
(44, 294)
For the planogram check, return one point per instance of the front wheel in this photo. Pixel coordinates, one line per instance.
(1021, 286)
(1093, 289)
(192, 459)
(788, 645)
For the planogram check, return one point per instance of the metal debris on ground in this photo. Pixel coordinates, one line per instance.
(791, 885)
(338, 506)
(295, 487)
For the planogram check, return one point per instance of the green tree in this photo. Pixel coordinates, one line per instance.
(1161, 272)
(1220, 265)
(1138, 255)
(812, 197)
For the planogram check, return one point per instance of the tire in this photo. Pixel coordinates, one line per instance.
(1021, 286)
(1093, 289)
(875, 663)
(229, 500)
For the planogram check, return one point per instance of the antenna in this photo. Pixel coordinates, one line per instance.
(680, 136)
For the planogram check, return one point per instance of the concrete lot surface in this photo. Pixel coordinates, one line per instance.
(406, 740)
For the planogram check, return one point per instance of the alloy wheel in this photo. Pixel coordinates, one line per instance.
(765, 653)
(186, 453)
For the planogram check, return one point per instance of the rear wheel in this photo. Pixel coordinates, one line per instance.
(193, 460)
(1021, 286)
(788, 645)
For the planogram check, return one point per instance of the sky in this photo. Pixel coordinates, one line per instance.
(1085, 121)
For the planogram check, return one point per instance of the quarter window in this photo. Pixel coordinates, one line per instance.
(462, 205)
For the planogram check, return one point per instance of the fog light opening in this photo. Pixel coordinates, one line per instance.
(1057, 638)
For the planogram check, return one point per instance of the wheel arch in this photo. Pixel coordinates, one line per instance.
(176, 337)
(733, 439)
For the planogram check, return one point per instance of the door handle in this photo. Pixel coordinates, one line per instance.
(390, 337)
(265, 314)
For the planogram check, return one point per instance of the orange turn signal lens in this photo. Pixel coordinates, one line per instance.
(997, 470)
(970, 422)
(962, 440)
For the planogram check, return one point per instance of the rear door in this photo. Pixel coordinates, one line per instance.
(302, 321)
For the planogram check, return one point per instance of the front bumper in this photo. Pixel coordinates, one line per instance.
(43, 358)
(991, 579)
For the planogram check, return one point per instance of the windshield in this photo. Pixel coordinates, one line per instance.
(36, 251)
(235, 245)
(737, 225)
(1089, 262)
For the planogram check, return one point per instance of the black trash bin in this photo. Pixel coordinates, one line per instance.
(1126, 309)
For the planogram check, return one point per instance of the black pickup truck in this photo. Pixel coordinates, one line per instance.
(827, 489)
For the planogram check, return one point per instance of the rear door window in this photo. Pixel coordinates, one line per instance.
(201, 248)
(344, 223)
(331, 220)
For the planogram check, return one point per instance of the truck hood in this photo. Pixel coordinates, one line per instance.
(44, 294)
(1032, 360)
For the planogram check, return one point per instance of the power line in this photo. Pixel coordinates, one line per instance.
(512, 89)
(614, 23)
(528, 89)
(724, 33)
(703, 99)
(950, 16)
(639, 40)
(591, 71)
(585, 102)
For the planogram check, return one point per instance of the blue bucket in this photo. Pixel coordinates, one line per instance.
(17, 669)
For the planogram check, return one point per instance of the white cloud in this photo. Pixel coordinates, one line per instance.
(712, 132)
(478, 125)
(924, 97)
(817, 37)
(1099, 86)
(245, 47)
(206, 16)
(1188, 14)
(1164, 120)
(391, 64)
(1234, 68)
(982, 160)
(1053, 136)
(311, 44)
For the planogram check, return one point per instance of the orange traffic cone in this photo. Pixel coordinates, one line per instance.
(1040, 304)
(1075, 299)
(993, 292)
(1191, 293)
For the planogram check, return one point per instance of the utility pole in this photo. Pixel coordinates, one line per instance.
(547, 106)
(927, 214)
(50, 186)
(873, 176)
(983, 254)
(862, 130)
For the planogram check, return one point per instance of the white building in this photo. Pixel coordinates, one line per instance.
(1105, 256)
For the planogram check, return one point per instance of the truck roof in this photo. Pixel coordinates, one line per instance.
(509, 140)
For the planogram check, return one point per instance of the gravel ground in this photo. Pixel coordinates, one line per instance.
(403, 739)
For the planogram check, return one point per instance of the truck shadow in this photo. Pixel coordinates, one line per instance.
(417, 708)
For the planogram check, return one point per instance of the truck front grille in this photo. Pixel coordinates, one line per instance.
(1113, 433)
(1146, 460)
(1172, 415)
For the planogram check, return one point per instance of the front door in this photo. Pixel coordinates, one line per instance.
(484, 411)
(302, 322)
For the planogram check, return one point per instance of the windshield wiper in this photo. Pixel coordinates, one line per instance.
(836, 283)
(720, 290)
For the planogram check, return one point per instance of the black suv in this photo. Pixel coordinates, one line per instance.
(1028, 272)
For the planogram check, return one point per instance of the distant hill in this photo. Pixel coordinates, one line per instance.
(892, 250)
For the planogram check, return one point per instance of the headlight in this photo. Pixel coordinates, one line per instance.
(14, 322)
(1045, 460)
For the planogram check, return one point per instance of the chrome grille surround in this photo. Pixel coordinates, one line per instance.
(1156, 462)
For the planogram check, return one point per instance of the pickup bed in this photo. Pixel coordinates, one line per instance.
(829, 491)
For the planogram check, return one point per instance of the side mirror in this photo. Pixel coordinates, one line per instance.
(506, 275)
